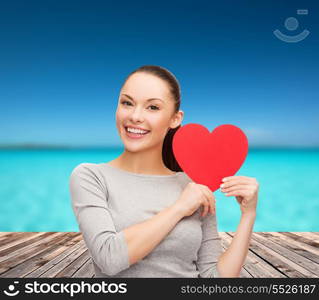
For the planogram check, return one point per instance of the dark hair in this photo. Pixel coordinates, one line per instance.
(167, 150)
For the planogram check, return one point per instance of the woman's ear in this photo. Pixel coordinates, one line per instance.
(177, 119)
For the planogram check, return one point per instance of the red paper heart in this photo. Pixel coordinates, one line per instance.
(209, 157)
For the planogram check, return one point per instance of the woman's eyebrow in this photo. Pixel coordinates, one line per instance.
(146, 100)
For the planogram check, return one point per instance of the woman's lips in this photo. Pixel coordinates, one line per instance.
(135, 135)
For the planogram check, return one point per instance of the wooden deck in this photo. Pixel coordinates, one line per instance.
(64, 254)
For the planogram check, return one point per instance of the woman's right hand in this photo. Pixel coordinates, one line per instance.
(193, 196)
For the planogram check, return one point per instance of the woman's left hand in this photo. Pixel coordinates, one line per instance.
(245, 189)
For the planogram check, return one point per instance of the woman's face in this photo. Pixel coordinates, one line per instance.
(145, 102)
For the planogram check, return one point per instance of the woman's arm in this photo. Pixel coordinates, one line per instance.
(231, 261)
(143, 237)
(210, 249)
(245, 189)
(114, 251)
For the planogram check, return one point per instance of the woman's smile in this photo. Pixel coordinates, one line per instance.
(135, 133)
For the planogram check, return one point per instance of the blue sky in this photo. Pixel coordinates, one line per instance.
(62, 65)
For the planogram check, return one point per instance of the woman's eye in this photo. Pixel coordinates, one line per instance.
(123, 102)
(156, 107)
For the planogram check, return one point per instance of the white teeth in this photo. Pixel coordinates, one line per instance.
(134, 130)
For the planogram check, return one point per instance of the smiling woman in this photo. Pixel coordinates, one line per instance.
(150, 100)
(139, 213)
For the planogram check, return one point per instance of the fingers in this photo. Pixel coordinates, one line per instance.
(212, 202)
(241, 192)
(212, 207)
(205, 208)
(233, 188)
(209, 200)
(235, 182)
(245, 178)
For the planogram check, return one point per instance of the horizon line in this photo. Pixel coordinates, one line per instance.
(39, 146)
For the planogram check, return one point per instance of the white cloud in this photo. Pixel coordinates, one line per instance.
(254, 132)
(259, 136)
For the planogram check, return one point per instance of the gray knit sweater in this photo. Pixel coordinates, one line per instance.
(106, 200)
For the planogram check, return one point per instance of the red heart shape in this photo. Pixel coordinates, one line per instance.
(209, 157)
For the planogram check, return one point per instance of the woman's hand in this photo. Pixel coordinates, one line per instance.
(193, 196)
(245, 189)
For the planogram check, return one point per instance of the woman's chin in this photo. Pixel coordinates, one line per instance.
(133, 144)
(134, 148)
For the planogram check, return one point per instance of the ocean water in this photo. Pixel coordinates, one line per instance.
(34, 190)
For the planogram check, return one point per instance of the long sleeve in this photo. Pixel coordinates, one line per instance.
(210, 248)
(89, 196)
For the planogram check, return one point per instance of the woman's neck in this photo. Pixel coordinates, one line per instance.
(150, 163)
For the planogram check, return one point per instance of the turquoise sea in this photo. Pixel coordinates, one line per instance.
(34, 191)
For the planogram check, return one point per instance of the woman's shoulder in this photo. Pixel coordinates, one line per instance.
(88, 174)
(83, 167)
(87, 169)
(185, 179)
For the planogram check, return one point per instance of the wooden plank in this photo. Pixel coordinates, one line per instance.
(315, 233)
(74, 266)
(311, 236)
(279, 262)
(6, 255)
(5, 234)
(297, 262)
(56, 254)
(26, 261)
(55, 270)
(256, 266)
(298, 240)
(85, 271)
(305, 239)
(14, 237)
(10, 247)
(63, 252)
(305, 250)
(40, 258)
(291, 255)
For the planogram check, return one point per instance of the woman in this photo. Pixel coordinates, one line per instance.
(140, 215)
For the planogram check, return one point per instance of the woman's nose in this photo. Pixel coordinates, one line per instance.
(137, 115)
